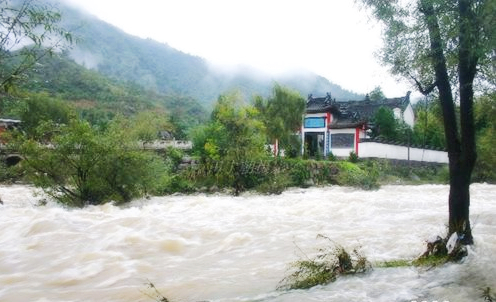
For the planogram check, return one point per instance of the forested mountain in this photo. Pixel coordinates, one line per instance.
(163, 69)
(98, 98)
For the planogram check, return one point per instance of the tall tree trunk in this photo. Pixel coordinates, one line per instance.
(468, 57)
(461, 153)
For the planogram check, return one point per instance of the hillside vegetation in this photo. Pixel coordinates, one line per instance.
(96, 97)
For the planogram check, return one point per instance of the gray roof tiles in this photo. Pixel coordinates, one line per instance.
(353, 113)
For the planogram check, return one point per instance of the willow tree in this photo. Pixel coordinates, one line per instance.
(232, 139)
(29, 31)
(282, 115)
(446, 48)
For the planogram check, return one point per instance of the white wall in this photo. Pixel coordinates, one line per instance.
(380, 150)
(409, 115)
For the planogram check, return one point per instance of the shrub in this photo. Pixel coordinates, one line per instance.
(10, 174)
(351, 174)
(299, 172)
(441, 251)
(273, 175)
(86, 166)
(173, 157)
(275, 184)
(331, 157)
(353, 157)
(176, 184)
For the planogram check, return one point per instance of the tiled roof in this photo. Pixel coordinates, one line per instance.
(353, 113)
(321, 104)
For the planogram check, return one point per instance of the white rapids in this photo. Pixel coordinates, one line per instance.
(224, 248)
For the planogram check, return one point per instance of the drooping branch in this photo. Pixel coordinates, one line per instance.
(421, 88)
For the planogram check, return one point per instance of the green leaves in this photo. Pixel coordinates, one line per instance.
(79, 165)
(233, 136)
(28, 32)
(485, 115)
(428, 128)
(407, 48)
(386, 125)
(281, 114)
(236, 133)
(376, 94)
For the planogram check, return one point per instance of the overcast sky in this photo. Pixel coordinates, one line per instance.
(332, 38)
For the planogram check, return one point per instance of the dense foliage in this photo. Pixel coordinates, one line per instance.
(376, 94)
(77, 164)
(485, 116)
(428, 131)
(233, 136)
(282, 114)
(388, 127)
(428, 128)
(34, 108)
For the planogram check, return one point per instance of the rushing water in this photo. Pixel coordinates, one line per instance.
(223, 248)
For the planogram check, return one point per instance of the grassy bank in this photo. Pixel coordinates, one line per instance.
(274, 175)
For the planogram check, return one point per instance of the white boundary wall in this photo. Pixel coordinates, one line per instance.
(380, 150)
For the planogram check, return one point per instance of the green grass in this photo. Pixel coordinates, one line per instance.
(394, 263)
(431, 260)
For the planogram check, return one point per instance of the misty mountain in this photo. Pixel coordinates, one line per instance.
(98, 98)
(161, 68)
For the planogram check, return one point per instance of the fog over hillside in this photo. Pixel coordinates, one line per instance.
(159, 67)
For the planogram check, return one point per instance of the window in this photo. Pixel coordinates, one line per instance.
(342, 140)
(315, 122)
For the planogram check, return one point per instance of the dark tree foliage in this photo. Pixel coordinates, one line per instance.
(428, 129)
(376, 94)
(385, 125)
(485, 121)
